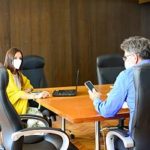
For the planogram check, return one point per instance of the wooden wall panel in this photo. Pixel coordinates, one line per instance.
(4, 28)
(70, 34)
(98, 27)
(59, 52)
(144, 1)
(20, 24)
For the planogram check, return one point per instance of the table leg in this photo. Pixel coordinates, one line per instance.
(63, 124)
(97, 135)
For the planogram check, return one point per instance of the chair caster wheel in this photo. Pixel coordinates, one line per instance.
(72, 136)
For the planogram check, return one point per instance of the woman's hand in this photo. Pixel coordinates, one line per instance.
(28, 90)
(43, 94)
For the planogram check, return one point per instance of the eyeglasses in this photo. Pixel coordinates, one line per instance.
(125, 57)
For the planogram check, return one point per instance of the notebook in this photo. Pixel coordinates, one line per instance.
(69, 92)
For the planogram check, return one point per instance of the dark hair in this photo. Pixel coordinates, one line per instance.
(9, 59)
(145, 54)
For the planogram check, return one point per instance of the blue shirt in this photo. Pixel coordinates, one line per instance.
(123, 91)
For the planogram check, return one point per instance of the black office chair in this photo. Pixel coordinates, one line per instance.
(108, 68)
(12, 133)
(33, 69)
(140, 130)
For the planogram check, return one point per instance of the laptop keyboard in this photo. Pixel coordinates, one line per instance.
(64, 93)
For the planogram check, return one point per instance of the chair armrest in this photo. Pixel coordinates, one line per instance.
(28, 116)
(127, 140)
(42, 131)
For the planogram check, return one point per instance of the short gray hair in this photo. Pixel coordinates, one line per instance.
(135, 44)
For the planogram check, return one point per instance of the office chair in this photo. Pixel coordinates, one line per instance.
(12, 133)
(33, 69)
(140, 130)
(108, 68)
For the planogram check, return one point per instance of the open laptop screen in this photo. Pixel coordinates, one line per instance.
(69, 92)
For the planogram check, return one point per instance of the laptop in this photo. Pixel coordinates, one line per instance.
(67, 92)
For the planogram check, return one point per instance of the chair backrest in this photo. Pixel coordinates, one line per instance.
(140, 130)
(108, 68)
(9, 120)
(33, 69)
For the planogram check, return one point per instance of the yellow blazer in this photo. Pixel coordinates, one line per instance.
(14, 93)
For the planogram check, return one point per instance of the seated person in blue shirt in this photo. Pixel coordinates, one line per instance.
(136, 52)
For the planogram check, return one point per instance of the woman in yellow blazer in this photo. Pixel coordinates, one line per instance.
(19, 87)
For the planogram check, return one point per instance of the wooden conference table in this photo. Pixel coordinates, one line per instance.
(78, 109)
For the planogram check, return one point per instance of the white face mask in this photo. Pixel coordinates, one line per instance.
(129, 60)
(17, 63)
(128, 64)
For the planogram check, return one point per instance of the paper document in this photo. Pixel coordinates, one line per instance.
(125, 105)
